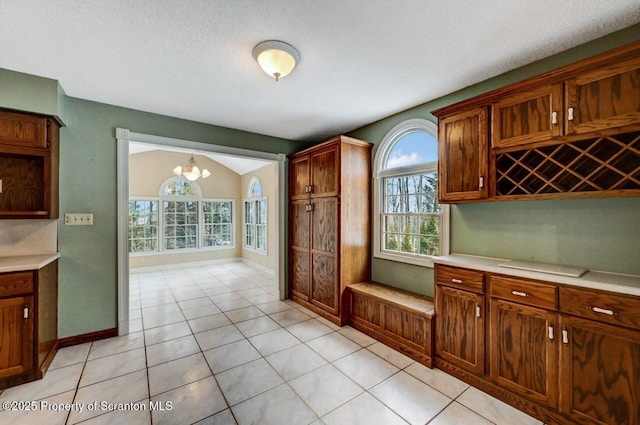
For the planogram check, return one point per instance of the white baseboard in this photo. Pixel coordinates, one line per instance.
(146, 269)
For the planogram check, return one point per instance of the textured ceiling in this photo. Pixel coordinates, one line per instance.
(362, 60)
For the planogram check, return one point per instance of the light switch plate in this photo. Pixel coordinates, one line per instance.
(78, 219)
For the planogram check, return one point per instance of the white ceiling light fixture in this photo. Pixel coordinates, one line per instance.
(276, 58)
(191, 171)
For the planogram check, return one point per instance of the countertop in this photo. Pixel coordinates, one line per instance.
(614, 282)
(26, 262)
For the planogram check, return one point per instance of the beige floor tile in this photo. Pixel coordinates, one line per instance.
(365, 368)
(242, 314)
(389, 354)
(308, 330)
(197, 302)
(324, 389)
(413, 400)
(43, 411)
(206, 323)
(356, 336)
(128, 417)
(70, 355)
(266, 409)
(176, 373)
(118, 344)
(274, 307)
(257, 326)
(246, 381)
(223, 418)
(112, 366)
(161, 319)
(217, 337)
(289, 317)
(333, 346)
(166, 333)
(274, 341)
(441, 381)
(55, 381)
(457, 414)
(493, 409)
(295, 361)
(171, 350)
(231, 355)
(202, 311)
(190, 403)
(363, 410)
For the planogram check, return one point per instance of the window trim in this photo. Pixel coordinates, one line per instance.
(256, 200)
(382, 153)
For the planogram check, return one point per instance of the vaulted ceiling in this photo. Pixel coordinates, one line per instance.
(362, 60)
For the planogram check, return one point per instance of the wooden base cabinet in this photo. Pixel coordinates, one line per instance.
(460, 325)
(600, 373)
(329, 217)
(28, 324)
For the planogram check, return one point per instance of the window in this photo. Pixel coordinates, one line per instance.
(255, 218)
(143, 226)
(180, 220)
(411, 225)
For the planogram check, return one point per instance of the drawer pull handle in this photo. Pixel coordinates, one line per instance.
(565, 336)
(456, 281)
(570, 114)
(25, 313)
(551, 333)
(554, 118)
(477, 311)
(520, 294)
(603, 311)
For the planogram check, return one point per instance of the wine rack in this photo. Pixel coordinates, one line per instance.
(608, 163)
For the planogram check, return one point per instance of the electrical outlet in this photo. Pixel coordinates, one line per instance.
(84, 219)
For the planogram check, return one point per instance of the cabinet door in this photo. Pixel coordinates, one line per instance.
(325, 171)
(523, 350)
(16, 336)
(324, 255)
(300, 260)
(600, 373)
(604, 98)
(528, 117)
(463, 159)
(23, 130)
(299, 179)
(460, 328)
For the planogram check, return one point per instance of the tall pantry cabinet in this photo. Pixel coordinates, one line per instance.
(330, 224)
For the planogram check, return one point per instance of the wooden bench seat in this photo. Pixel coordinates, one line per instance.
(400, 319)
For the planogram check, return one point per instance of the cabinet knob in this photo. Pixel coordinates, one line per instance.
(570, 114)
(551, 333)
(25, 312)
(554, 118)
(477, 311)
(565, 336)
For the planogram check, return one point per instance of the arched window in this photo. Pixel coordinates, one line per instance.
(255, 217)
(179, 219)
(410, 222)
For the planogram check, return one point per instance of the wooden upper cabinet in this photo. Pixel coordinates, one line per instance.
(604, 98)
(325, 166)
(463, 163)
(528, 117)
(29, 131)
(315, 174)
(299, 178)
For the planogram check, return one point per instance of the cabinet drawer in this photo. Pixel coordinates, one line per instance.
(469, 280)
(602, 306)
(16, 283)
(524, 291)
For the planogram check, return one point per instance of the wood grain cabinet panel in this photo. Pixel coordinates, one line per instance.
(16, 336)
(523, 351)
(460, 328)
(528, 117)
(28, 324)
(462, 150)
(29, 148)
(600, 375)
(329, 223)
(606, 97)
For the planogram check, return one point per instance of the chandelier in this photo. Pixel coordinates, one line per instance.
(191, 171)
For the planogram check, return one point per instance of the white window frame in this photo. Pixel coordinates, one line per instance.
(161, 198)
(379, 173)
(158, 225)
(256, 201)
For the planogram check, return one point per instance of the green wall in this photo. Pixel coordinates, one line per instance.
(600, 234)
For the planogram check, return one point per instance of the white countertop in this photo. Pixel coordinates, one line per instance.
(26, 262)
(614, 282)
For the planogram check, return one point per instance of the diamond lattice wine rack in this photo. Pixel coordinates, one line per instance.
(608, 163)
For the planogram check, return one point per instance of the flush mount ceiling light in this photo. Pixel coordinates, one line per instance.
(191, 171)
(276, 58)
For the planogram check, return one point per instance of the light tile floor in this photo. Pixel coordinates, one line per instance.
(213, 345)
